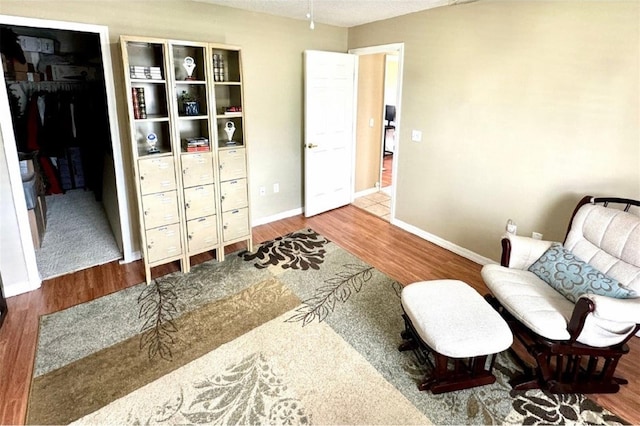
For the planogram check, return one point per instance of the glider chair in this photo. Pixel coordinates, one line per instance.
(573, 306)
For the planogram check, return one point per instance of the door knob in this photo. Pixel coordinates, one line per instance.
(312, 145)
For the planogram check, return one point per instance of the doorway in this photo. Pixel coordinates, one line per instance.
(64, 142)
(377, 128)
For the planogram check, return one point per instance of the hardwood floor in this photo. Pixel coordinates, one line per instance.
(387, 171)
(397, 253)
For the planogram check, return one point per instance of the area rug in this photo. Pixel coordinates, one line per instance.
(298, 332)
(78, 235)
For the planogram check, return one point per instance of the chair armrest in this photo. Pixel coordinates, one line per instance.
(612, 309)
(522, 252)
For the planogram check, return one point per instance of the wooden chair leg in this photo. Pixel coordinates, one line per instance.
(408, 345)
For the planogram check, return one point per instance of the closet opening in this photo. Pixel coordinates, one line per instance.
(55, 81)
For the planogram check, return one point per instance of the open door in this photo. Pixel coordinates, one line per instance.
(329, 130)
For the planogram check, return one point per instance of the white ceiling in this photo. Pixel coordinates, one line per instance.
(341, 13)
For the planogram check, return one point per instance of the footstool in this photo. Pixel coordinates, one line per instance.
(452, 321)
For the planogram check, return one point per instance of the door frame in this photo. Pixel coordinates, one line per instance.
(25, 245)
(397, 49)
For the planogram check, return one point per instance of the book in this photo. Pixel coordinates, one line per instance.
(141, 106)
(136, 105)
(198, 148)
(198, 144)
(145, 73)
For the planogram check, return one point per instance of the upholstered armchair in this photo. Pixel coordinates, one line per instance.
(573, 306)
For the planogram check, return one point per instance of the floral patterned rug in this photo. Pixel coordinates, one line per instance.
(298, 332)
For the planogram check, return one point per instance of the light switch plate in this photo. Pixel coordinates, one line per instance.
(416, 135)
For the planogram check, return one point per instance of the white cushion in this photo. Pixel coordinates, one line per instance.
(609, 240)
(546, 312)
(454, 319)
(530, 300)
(525, 251)
(601, 332)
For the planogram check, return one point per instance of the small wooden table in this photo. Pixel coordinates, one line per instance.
(453, 322)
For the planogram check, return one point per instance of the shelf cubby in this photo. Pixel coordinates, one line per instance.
(197, 91)
(193, 129)
(227, 96)
(155, 99)
(146, 54)
(238, 135)
(161, 129)
(230, 69)
(197, 53)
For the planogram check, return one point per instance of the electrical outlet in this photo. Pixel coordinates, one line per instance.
(276, 188)
(371, 122)
(511, 227)
(416, 135)
(263, 190)
(536, 235)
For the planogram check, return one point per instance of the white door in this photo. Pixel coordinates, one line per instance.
(329, 130)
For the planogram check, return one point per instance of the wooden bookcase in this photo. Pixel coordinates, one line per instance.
(191, 178)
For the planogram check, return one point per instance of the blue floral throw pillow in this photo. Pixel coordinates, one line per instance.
(573, 277)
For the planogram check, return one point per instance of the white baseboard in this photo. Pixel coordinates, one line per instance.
(19, 288)
(282, 215)
(136, 255)
(466, 253)
(365, 193)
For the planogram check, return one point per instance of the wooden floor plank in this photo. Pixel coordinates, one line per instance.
(399, 254)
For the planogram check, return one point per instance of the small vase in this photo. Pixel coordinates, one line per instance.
(191, 108)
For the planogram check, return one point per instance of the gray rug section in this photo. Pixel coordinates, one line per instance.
(375, 333)
(77, 236)
(64, 337)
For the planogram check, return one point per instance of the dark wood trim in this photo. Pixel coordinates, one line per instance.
(506, 252)
(582, 308)
(628, 202)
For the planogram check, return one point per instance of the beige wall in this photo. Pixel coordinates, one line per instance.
(272, 57)
(524, 107)
(369, 138)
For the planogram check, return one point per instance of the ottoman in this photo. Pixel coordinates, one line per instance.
(453, 322)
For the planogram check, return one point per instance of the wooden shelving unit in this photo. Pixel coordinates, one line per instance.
(188, 147)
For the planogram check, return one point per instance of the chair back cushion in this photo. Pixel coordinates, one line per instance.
(609, 240)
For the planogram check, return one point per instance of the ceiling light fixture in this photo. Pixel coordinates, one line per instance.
(312, 25)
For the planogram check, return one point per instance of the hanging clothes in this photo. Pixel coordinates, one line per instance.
(69, 127)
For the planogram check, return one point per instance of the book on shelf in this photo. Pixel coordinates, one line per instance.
(199, 144)
(139, 103)
(232, 110)
(198, 148)
(218, 68)
(136, 105)
(145, 73)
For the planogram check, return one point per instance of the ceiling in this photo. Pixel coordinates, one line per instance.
(341, 13)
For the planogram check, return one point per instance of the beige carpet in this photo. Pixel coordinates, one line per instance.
(77, 236)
